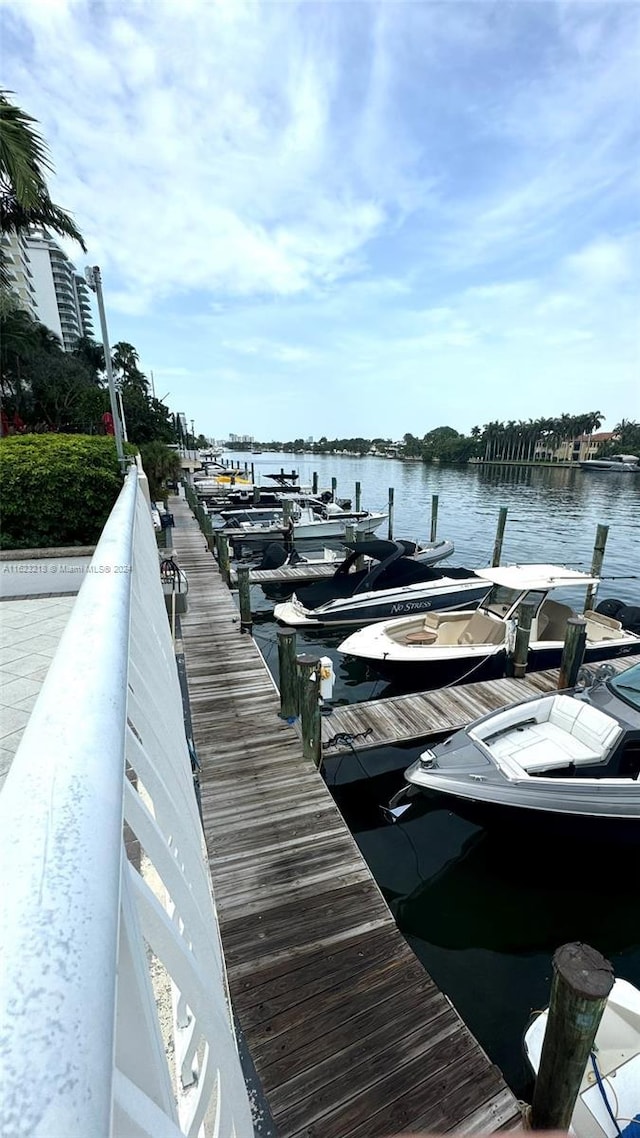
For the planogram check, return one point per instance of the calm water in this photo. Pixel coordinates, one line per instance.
(484, 915)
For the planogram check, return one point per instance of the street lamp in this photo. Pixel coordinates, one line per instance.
(94, 280)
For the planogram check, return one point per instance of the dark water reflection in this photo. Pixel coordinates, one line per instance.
(484, 912)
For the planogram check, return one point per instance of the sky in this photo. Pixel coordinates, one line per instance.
(352, 219)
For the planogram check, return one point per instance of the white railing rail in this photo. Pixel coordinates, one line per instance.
(114, 1011)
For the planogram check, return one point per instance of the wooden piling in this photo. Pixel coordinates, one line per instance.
(517, 661)
(582, 981)
(310, 719)
(314, 485)
(256, 495)
(358, 497)
(222, 550)
(390, 525)
(596, 565)
(334, 487)
(253, 474)
(287, 510)
(288, 668)
(573, 651)
(434, 517)
(244, 593)
(350, 534)
(497, 548)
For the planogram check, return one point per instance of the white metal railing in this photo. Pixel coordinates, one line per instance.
(96, 953)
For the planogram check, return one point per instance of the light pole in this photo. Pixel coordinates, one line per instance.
(94, 280)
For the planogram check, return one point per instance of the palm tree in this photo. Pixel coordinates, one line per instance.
(24, 161)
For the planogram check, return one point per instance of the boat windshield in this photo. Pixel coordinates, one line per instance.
(627, 686)
(500, 599)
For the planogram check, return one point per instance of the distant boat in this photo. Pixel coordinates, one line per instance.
(256, 452)
(620, 462)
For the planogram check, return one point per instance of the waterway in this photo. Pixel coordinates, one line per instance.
(482, 911)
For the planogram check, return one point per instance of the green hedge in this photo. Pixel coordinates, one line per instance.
(56, 489)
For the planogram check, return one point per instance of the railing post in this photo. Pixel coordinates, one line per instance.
(434, 517)
(582, 981)
(358, 497)
(596, 564)
(288, 668)
(517, 661)
(573, 651)
(244, 595)
(310, 718)
(497, 548)
(390, 525)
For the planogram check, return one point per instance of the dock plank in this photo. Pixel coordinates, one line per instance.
(401, 719)
(289, 574)
(320, 977)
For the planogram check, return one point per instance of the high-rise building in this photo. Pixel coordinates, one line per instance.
(61, 295)
(17, 270)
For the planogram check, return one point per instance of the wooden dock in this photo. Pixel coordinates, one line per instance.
(379, 722)
(286, 574)
(350, 1036)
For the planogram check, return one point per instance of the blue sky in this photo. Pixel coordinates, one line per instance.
(351, 218)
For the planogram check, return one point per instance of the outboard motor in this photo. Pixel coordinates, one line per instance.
(274, 556)
(611, 608)
(629, 617)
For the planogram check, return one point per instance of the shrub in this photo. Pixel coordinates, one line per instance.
(56, 489)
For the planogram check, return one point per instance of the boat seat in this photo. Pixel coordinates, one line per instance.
(601, 627)
(481, 629)
(554, 734)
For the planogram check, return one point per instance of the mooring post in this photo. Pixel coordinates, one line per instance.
(582, 981)
(497, 549)
(390, 528)
(314, 485)
(573, 652)
(517, 661)
(244, 594)
(253, 474)
(358, 497)
(434, 517)
(334, 487)
(256, 495)
(222, 549)
(596, 565)
(288, 673)
(310, 718)
(246, 467)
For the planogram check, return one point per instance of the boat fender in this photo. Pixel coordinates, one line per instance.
(327, 677)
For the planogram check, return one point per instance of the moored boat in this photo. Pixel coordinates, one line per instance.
(620, 462)
(558, 758)
(442, 647)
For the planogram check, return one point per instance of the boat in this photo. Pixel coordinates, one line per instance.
(563, 758)
(315, 521)
(442, 647)
(620, 462)
(399, 579)
(608, 1102)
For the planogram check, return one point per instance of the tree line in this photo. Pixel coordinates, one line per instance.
(524, 441)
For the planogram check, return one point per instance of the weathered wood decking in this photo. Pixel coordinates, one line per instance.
(405, 717)
(289, 573)
(349, 1034)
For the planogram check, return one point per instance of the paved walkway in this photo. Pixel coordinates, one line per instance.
(30, 631)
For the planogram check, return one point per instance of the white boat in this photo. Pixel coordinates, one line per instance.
(609, 1095)
(430, 650)
(315, 521)
(566, 758)
(620, 462)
